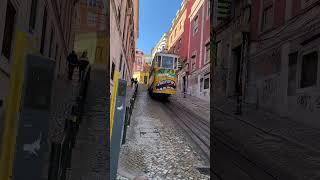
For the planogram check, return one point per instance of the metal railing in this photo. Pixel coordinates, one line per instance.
(61, 152)
(128, 113)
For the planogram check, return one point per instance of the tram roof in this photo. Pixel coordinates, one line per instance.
(166, 54)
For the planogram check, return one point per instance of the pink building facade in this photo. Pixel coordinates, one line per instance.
(139, 61)
(198, 76)
(280, 68)
(124, 30)
(179, 44)
(90, 16)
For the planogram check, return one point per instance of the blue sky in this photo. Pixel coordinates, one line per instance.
(155, 18)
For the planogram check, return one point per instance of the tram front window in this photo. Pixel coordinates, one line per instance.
(167, 62)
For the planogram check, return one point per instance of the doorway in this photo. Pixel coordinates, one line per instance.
(145, 80)
(184, 84)
(236, 69)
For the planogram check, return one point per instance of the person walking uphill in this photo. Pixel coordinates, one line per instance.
(72, 63)
(83, 63)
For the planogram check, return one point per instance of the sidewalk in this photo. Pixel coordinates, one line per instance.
(90, 157)
(194, 104)
(284, 148)
(64, 96)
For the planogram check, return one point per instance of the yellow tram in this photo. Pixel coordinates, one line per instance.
(163, 77)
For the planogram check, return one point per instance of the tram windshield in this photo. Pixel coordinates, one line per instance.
(167, 62)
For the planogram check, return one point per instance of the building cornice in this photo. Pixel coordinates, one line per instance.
(195, 8)
(178, 15)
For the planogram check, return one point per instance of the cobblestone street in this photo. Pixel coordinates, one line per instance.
(64, 96)
(156, 147)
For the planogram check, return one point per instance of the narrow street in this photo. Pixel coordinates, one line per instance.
(164, 141)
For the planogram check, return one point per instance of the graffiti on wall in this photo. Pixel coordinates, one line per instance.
(306, 102)
(269, 89)
(267, 64)
(317, 103)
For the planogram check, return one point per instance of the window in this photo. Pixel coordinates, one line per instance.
(175, 63)
(193, 61)
(293, 57)
(167, 62)
(124, 70)
(92, 3)
(119, 13)
(236, 8)
(92, 19)
(158, 62)
(44, 28)
(309, 70)
(51, 39)
(112, 70)
(208, 8)
(120, 64)
(195, 25)
(267, 18)
(207, 55)
(206, 84)
(33, 15)
(217, 61)
(8, 30)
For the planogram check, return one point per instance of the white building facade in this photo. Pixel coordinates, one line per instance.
(161, 45)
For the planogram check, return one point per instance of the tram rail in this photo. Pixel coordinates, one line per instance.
(195, 126)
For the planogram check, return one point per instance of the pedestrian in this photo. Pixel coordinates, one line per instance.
(72, 61)
(132, 81)
(83, 63)
(136, 81)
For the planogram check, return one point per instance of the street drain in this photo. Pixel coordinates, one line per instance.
(204, 170)
(149, 134)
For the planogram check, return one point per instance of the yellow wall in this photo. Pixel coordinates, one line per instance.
(102, 49)
(88, 42)
(140, 76)
(8, 141)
